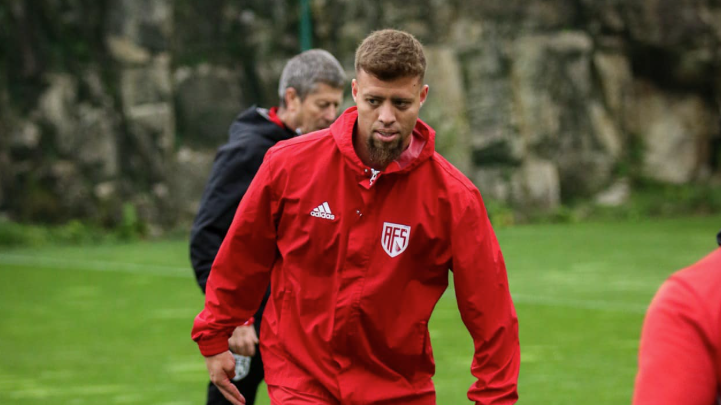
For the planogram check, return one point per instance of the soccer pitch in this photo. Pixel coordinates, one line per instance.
(111, 323)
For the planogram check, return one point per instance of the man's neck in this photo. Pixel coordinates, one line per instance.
(286, 118)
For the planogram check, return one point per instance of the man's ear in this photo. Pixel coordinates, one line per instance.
(292, 100)
(354, 89)
(424, 94)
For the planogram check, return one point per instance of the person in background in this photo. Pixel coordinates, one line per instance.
(679, 360)
(310, 92)
(356, 227)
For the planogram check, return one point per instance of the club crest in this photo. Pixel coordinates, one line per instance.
(395, 238)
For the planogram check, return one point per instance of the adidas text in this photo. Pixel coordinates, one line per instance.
(322, 215)
(322, 211)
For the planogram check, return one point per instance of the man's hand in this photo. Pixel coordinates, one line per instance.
(243, 341)
(221, 368)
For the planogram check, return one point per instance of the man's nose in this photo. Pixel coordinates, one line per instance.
(386, 114)
(330, 113)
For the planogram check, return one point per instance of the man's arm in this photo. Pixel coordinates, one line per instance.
(238, 280)
(675, 364)
(233, 170)
(241, 271)
(484, 301)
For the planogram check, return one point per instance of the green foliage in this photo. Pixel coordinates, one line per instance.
(631, 163)
(648, 199)
(14, 234)
(130, 227)
(500, 214)
(74, 232)
(564, 214)
(651, 199)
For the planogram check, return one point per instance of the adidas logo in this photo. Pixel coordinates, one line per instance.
(322, 211)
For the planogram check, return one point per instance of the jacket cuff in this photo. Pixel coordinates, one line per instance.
(212, 347)
(249, 322)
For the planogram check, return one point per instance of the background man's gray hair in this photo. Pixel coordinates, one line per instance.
(304, 71)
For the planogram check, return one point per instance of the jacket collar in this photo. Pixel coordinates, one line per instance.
(423, 134)
(255, 122)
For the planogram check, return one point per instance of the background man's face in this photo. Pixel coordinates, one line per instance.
(319, 109)
(387, 114)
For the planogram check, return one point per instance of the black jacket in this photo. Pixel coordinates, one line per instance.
(236, 163)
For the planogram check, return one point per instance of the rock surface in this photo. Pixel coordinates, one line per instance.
(539, 102)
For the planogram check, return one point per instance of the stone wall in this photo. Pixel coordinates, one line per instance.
(539, 102)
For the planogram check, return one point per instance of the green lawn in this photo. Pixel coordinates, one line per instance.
(110, 324)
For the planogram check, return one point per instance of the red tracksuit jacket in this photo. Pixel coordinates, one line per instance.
(357, 263)
(679, 359)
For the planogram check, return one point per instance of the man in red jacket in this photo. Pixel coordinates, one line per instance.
(356, 227)
(679, 360)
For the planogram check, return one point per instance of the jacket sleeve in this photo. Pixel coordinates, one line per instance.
(675, 364)
(484, 301)
(241, 271)
(233, 170)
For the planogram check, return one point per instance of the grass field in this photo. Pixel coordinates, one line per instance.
(110, 324)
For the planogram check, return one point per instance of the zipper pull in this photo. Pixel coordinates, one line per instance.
(374, 176)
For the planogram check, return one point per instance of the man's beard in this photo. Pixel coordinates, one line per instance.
(381, 154)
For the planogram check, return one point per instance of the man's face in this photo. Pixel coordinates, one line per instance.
(387, 114)
(319, 109)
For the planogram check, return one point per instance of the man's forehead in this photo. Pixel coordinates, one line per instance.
(323, 89)
(400, 88)
(364, 76)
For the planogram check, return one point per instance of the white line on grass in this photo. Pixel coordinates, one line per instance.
(180, 272)
(596, 305)
(559, 302)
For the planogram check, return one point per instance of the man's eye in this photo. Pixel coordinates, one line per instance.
(372, 101)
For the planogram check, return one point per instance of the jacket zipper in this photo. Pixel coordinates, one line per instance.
(374, 176)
